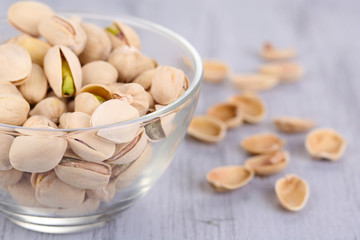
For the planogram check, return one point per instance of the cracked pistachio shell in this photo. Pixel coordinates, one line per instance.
(262, 143)
(52, 192)
(111, 112)
(86, 103)
(6, 141)
(229, 177)
(126, 36)
(36, 153)
(15, 64)
(254, 81)
(9, 177)
(325, 143)
(83, 174)
(9, 90)
(268, 163)
(99, 90)
(54, 72)
(100, 72)
(128, 152)
(61, 31)
(207, 129)
(26, 15)
(269, 52)
(35, 88)
(105, 194)
(98, 44)
(230, 113)
(71, 120)
(145, 79)
(292, 192)
(215, 71)
(293, 124)
(285, 71)
(135, 95)
(129, 62)
(13, 110)
(51, 107)
(167, 84)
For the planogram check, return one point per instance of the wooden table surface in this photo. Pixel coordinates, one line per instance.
(182, 205)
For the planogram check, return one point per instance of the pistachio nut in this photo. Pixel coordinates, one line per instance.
(98, 44)
(100, 72)
(63, 71)
(215, 71)
(167, 84)
(150, 100)
(129, 62)
(145, 79)
(101, 91)
(6, 141)
(35, 88)
(135, 95)
(293, 124)
(111, 112)
(285, 71)
(262, 143)
(9, 177)
(8, 89)
(128, 152)
(38, 121)
(230, 113)
(254, 82)
(207, 129)
(52, 192)
(268, 163)
(86, 102)
(105, 194)
(269, 52)
(51, 107)
(122, 35)
(61, 31)
(83, 174)
(15, 64)
(26, 15)
(36, 153)
(13, 110)
(72, 120)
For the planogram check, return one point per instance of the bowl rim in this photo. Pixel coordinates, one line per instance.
(195, 82)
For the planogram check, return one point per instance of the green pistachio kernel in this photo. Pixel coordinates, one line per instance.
(113, 30)
(101, 99)
(68, 88)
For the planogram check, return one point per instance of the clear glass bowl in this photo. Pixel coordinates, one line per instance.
(35, 205)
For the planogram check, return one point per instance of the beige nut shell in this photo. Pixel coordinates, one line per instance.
(207, 129)
(262, 143)
(230, 113)
(269, 52)
(293, 124)
(215, 71)
(99, 72)
(254, 82)
(285, 71)
(268, 163)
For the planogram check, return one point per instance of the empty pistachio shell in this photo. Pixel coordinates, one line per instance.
(230, 113)
(58, 30)
(293, 124)
(215, 71)
(100, 72)
(292, 192)
(52, 192)
(36, 153)
(122, 35)
(51, 107)
(252, 106)
(269, 52)
(254, 82)
(167, 84)
(145, 79)
(268, 163)
(105, 194)
(83, 174)
(26, 15)
(101, 91)
(9, 90)
(15, 64)
(13, 110)
(262, 143)
(9, 177)
(207, 129)
(86, 103)
(71, 120)
(285, 71)
(6, 141)
(135, 95)
(129, 62)
(229, 177)
(63, 71)
(35, 88)
(98, 45)
(325, 143)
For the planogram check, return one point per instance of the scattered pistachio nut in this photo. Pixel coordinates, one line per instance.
(285, 71)
(268, 163)
(292, 192)
(215, 71)
(229, 177)
(145, 79)
(262, 143)
(51, 107)
(230, 113)
(325, 143)
(99, 72)
(293, 124)
(254, 82)
(269, 52)
(207, 129)
(122, 35)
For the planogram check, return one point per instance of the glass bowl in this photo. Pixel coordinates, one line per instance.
(44, 202)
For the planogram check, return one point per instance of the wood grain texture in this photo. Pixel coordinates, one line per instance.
(182, 205)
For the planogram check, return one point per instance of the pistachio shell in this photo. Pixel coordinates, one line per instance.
(269, 52)
(13, 110)
(51, 107)
(325, 143)
(292, 192)
(6, 141)
(9, 90)
(254, 82)
(15, 64)
(268, 163)
(36, 153)
(129, 62)
(230, 113)
(285, 71)
(252, 106)
(98, 90)
(150, 100)
(53, 68)
(38, 121)
(9, 177)
(229, 177)
(207, 129)
(26, 15)
(72, 120)
(98, 44)
(83, 174)
(215, 71)
(35, 88)
(135, 95)
(126, 37)
(61, 31)
(145, 79)
(293, 124)
(114, 86)
(86, 102)
(100, 72)
(262, 143)
(105, 194)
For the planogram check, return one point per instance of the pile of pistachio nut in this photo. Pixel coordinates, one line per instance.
(62, 73)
